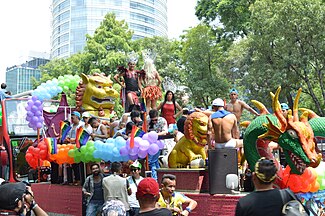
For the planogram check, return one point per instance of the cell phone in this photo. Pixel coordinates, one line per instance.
(148, 174)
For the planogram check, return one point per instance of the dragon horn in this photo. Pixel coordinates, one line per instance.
(260, 107)
(245, 124)
(295, 106)
(277, 109)
(311, 114)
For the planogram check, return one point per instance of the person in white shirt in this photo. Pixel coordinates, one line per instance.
(85, 117)
(134, 181)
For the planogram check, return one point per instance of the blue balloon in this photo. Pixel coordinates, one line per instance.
(110, 140)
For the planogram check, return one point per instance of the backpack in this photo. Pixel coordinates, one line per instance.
(293, 207)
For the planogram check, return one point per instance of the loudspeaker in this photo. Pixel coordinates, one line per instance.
(221, 163)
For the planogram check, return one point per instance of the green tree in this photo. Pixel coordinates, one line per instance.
(289, 38)
(201, 56)
(233, 14)
(108, 47)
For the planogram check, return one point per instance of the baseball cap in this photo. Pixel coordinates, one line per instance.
(86, 114)
(233, 90)
(136, 164)
(148, 186)
(284, 106)
(10, 193)
(218, 102)
(76, 114)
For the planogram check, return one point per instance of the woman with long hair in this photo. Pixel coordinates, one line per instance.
(169, 108)
(150, 83)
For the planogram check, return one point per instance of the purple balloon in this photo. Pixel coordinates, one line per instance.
(127, 144)
(41, 119)
(142, 153)
(30, 125)
(40, 108)
(38, 113)
(34, 119)
(124, 151)
(153, 149)
(137, 141)
(153, 136)
(28, 118)
(30, 103)
(144, 145)
(34, 108)
(30, 114)
(37, 103)
(145, 136)
(39, 125)
(133, 157)
(161, 144)
(28, 108)
(133, 151)
(34, 98)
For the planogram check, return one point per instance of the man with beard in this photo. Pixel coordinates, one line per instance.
(93, 190)
(18, 199)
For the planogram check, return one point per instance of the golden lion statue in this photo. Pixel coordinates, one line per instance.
(191, 146)
(96, 95)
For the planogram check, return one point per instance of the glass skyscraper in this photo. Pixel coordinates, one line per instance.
(73, 19)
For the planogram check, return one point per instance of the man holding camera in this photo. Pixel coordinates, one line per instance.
(18, 199)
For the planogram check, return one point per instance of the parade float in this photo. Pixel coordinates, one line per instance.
(27, 135)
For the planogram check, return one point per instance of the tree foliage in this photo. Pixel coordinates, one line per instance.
(201, 56)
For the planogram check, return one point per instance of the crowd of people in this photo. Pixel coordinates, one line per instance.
(133, 195)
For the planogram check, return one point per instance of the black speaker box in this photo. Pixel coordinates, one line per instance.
(221, 162)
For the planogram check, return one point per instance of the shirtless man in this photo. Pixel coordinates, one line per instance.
(236, 107)
(224, 124)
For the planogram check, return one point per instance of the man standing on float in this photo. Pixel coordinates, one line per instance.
(130, 82)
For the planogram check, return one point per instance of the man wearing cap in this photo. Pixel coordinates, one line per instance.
(147, 195)
(85, 117)
(285, 109)
(173, 200)
(223, 124)
(236, 107)
(71, 138)
(134, 181)
(18, 199)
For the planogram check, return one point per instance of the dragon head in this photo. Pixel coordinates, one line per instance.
(294, 135)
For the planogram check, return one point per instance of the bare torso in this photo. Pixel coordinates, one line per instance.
(236, 108)
(223, 127)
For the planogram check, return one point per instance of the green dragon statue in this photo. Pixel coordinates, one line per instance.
(296, 136)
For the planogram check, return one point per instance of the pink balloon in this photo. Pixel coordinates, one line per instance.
(153, 149)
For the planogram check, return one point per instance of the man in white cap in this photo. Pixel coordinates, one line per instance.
(223, 124)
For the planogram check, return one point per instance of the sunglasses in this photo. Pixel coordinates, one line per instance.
(233, 94)
(154, 120)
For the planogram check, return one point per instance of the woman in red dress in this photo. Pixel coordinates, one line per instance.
(169, 108)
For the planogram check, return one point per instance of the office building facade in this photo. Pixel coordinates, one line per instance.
(73, 19)
(19, 77)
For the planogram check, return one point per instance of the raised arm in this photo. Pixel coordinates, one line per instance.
(250, 109)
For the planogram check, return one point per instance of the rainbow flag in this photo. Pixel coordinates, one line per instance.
(139, 132)
(52, 145)
(143, 107)
(64, 130)
(82, 137)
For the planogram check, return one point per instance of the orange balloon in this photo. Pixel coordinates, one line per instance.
(314, 187)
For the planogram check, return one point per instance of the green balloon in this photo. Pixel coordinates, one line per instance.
(71, 153)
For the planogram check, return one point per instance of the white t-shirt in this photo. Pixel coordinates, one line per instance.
(132, 198)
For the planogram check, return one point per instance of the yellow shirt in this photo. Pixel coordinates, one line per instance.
(176, 201)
